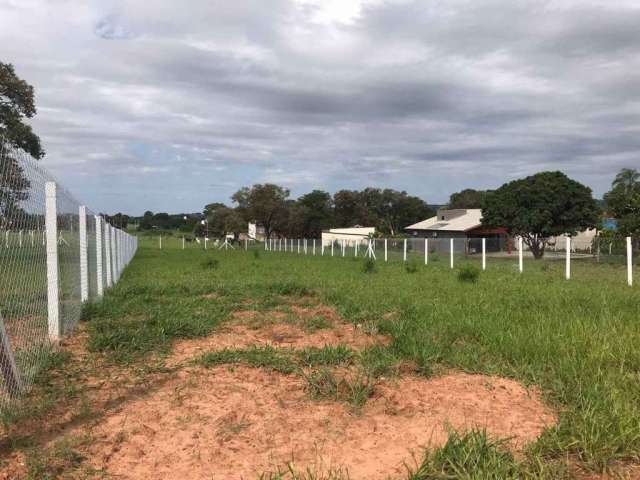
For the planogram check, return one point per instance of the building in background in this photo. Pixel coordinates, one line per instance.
(350, 235)
(464, 225)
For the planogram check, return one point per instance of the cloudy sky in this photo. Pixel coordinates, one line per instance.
(167, 105)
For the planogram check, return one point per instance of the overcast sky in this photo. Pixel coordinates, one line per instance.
(169, 105)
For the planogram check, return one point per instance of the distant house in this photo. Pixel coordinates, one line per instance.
(349, 235)
(463, 224)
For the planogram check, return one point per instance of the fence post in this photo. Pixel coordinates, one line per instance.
(332, 242)
(53, 294)
(314, 247)
(160, 241)
(520, 253)
(629, 262)
(404, 250)
(426, 251)
(298, 246)
(451, 252)
(385, 250)
(567, 270)
(100, 286)
(484, 254)
(114, 254)
(344, 247)
(356, 249)
(84, 274)
(183, 242)
(107, 252)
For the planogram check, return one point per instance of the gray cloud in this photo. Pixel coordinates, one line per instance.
(168, 107)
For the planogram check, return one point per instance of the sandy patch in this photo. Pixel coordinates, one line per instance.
(276, 329)
(233, 423)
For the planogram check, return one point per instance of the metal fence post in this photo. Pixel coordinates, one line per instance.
(84, 271)
(53, 294)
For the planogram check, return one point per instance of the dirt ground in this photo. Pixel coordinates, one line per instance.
(236, 422)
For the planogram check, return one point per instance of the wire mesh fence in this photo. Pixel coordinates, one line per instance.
(50, 263)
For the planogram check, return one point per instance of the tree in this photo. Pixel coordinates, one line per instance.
(262, 203)
(623, 201)
(347, 208)
(541, 206)
(223, 220)
(16, 103)
(468, 198)
(400, 210)
(316, 211)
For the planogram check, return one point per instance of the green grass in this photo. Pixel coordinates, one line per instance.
(577, 340)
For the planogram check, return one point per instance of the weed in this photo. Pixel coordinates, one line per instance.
(210, 264)
(315, 323)
(316, 472)
(327, 355)
(369, 266)
(411, 266)
(258, 357)
(468, 273)
(256, 254)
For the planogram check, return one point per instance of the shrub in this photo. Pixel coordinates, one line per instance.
(411, 266)
(210, 264)
(369, 266)
(468, 273)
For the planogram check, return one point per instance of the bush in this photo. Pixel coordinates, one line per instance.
(210, 264)
(468, 273)
(369, 266)
(411, 266)
(256, 254)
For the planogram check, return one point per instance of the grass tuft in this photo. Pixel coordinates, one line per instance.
(468, 273)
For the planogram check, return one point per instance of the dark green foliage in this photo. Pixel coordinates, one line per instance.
(328, 355)
(468, 273)
(539, 207)
(623, 201)
(411, 266)
(369, 266)
(468, 198)
(211, 264)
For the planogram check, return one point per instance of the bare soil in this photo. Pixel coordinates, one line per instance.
(236, 422)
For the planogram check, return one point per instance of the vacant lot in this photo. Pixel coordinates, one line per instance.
(220, 365)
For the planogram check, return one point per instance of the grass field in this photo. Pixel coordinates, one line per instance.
(577, 341)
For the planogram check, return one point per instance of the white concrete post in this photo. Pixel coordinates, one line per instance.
(206, 239)
(20, 238)
(404, 250)
(426, 251)
(629, 263)
(160, 241)
(53, 294)
(114, 254)
(484, 254)
(298, 245)
(100, 286)
(107, 252)
(183, 242)
(385, 250)
(355, 250)
(567, 270)
(520, 254)
(84, 271)
(344, 247)
(332, 242)
(451, 252)
(314, 247)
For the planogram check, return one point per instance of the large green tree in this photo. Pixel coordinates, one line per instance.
(316, 209)
(539, 207)
(468, 198)
(623, 201)
(16, 103)
(265, 204)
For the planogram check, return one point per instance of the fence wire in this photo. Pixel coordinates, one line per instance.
(25, 268)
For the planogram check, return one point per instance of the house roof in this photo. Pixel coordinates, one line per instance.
(469, 220)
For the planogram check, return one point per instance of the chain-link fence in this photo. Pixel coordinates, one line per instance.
(52, 256)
